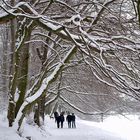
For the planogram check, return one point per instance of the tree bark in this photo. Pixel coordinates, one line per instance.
(19, 81)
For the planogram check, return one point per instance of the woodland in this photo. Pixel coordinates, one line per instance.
(81, 56)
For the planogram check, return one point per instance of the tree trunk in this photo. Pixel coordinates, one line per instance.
(4, 66)
(23, 75)
(42, 108)
(11, 106)
(37, 114)
(20, 77)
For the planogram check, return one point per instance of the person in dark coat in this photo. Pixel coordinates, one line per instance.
(73, 120)
(56, 115)
(68, 118)
(57, 119)
(62, 119)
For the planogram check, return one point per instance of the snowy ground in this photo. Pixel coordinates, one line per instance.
(84, 131)
(113, 128)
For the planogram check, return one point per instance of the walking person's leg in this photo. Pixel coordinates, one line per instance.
(69, 124)
(61, 124)
(74, 124)
(57, 124)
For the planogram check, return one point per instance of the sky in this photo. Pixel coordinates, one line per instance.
(113, 128)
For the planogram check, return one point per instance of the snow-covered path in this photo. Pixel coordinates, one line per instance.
(82, 132)
(124, 129)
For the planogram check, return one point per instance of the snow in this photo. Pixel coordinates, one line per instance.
(127, 127)
(7, 133)
(4, 14)
(82, 132)
(113, 128)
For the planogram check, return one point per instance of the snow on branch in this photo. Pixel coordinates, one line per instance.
(100, 12)
(51, 100)
(22, 9)
(65, 4)
(60, 29)
(84, 93)
(76, 108)
(118, 81)
(6, 16)
(29, 100)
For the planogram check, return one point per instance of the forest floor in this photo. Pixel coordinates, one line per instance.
(113, 128)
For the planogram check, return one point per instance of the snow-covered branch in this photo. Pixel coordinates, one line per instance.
(76, 108)
(29, 100)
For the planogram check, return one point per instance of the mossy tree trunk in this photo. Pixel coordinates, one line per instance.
(11, 106)
(20, 77)
(22, 80)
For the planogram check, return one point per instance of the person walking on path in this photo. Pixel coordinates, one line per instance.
(68, 118)
(73, 120)
(62, 119)
(57, 119)
(56, 115)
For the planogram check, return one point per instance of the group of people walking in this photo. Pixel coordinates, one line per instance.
(70, 118)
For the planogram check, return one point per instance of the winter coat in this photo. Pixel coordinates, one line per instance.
(62, 119)
(72, 117)
(56, 114)
(69, 118)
